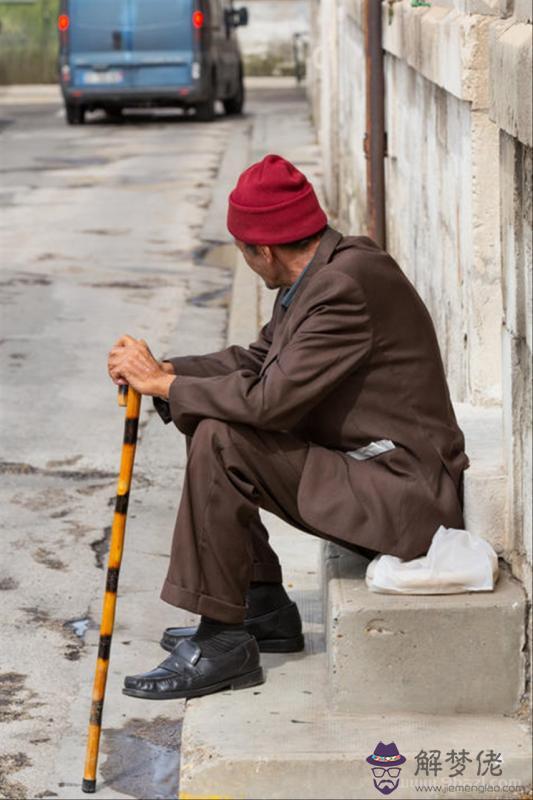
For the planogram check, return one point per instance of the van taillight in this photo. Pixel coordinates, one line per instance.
(198, 19)
(63, 22)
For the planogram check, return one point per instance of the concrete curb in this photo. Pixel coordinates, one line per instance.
(243, 319)
(233, 162)
(243, 322)
(22, 94)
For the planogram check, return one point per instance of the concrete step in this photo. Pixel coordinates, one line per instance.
(431, 654)
(283, 739)
(284, 744)
(431, 650)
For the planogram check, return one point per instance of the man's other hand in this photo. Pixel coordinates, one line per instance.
(131, 362)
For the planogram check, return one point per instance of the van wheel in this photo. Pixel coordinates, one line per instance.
(234, 105)
(205, 112)
(75, 114)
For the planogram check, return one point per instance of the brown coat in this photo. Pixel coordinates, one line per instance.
(354, 359)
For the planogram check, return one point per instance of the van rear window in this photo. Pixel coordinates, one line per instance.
(162, 24)
(93, 22)
(97, 25)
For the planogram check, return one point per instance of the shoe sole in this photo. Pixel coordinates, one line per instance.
(254, 678)
(293, 645)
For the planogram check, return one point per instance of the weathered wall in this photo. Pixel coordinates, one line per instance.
(510, 67)
(28, 42)
(314, 62)
(428, 182)
(351, 162)
(515, 169)
(442, 222)
(329, 101)
(458, 120)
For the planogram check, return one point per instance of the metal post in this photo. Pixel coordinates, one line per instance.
(375, 149)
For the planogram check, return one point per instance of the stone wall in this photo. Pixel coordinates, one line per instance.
(351, 201)
(510, 107)
(458, 169)
(516, 168)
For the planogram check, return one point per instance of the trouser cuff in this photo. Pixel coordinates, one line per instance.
(202, 604)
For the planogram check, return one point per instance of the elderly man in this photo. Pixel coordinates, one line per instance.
(337, 419)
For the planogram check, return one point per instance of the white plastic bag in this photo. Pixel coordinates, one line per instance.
(457, 561)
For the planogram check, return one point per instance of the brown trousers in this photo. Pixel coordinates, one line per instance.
(220, 544)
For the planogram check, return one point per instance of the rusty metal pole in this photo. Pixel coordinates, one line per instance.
(375, 142)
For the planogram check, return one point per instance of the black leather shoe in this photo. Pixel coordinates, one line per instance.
(279, 631)
(187, 673)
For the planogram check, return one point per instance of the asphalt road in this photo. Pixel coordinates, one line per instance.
(99, 235)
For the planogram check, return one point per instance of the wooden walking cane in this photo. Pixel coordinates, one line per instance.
(132, 400)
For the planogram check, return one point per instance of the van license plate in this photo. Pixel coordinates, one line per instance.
(107, 76)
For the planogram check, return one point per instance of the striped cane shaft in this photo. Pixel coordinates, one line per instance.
(132, 400)
(123, 395)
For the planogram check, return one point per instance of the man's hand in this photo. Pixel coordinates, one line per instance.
(131, 362)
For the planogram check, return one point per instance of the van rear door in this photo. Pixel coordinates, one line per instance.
(99, 43)
(162, 43)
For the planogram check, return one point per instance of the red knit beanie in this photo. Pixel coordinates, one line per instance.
(274, 203)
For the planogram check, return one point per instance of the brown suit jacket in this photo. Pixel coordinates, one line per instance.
(353, 359)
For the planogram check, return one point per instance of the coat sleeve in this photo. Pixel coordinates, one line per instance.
(331, 341)
(220, 363)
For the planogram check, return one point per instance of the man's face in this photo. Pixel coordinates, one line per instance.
(261, 259)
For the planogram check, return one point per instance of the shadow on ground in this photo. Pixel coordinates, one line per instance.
(143, 758)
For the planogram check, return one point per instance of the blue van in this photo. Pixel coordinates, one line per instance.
(129, 53)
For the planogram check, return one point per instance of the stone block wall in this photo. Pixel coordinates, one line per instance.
(444, 231)
(510, 108)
